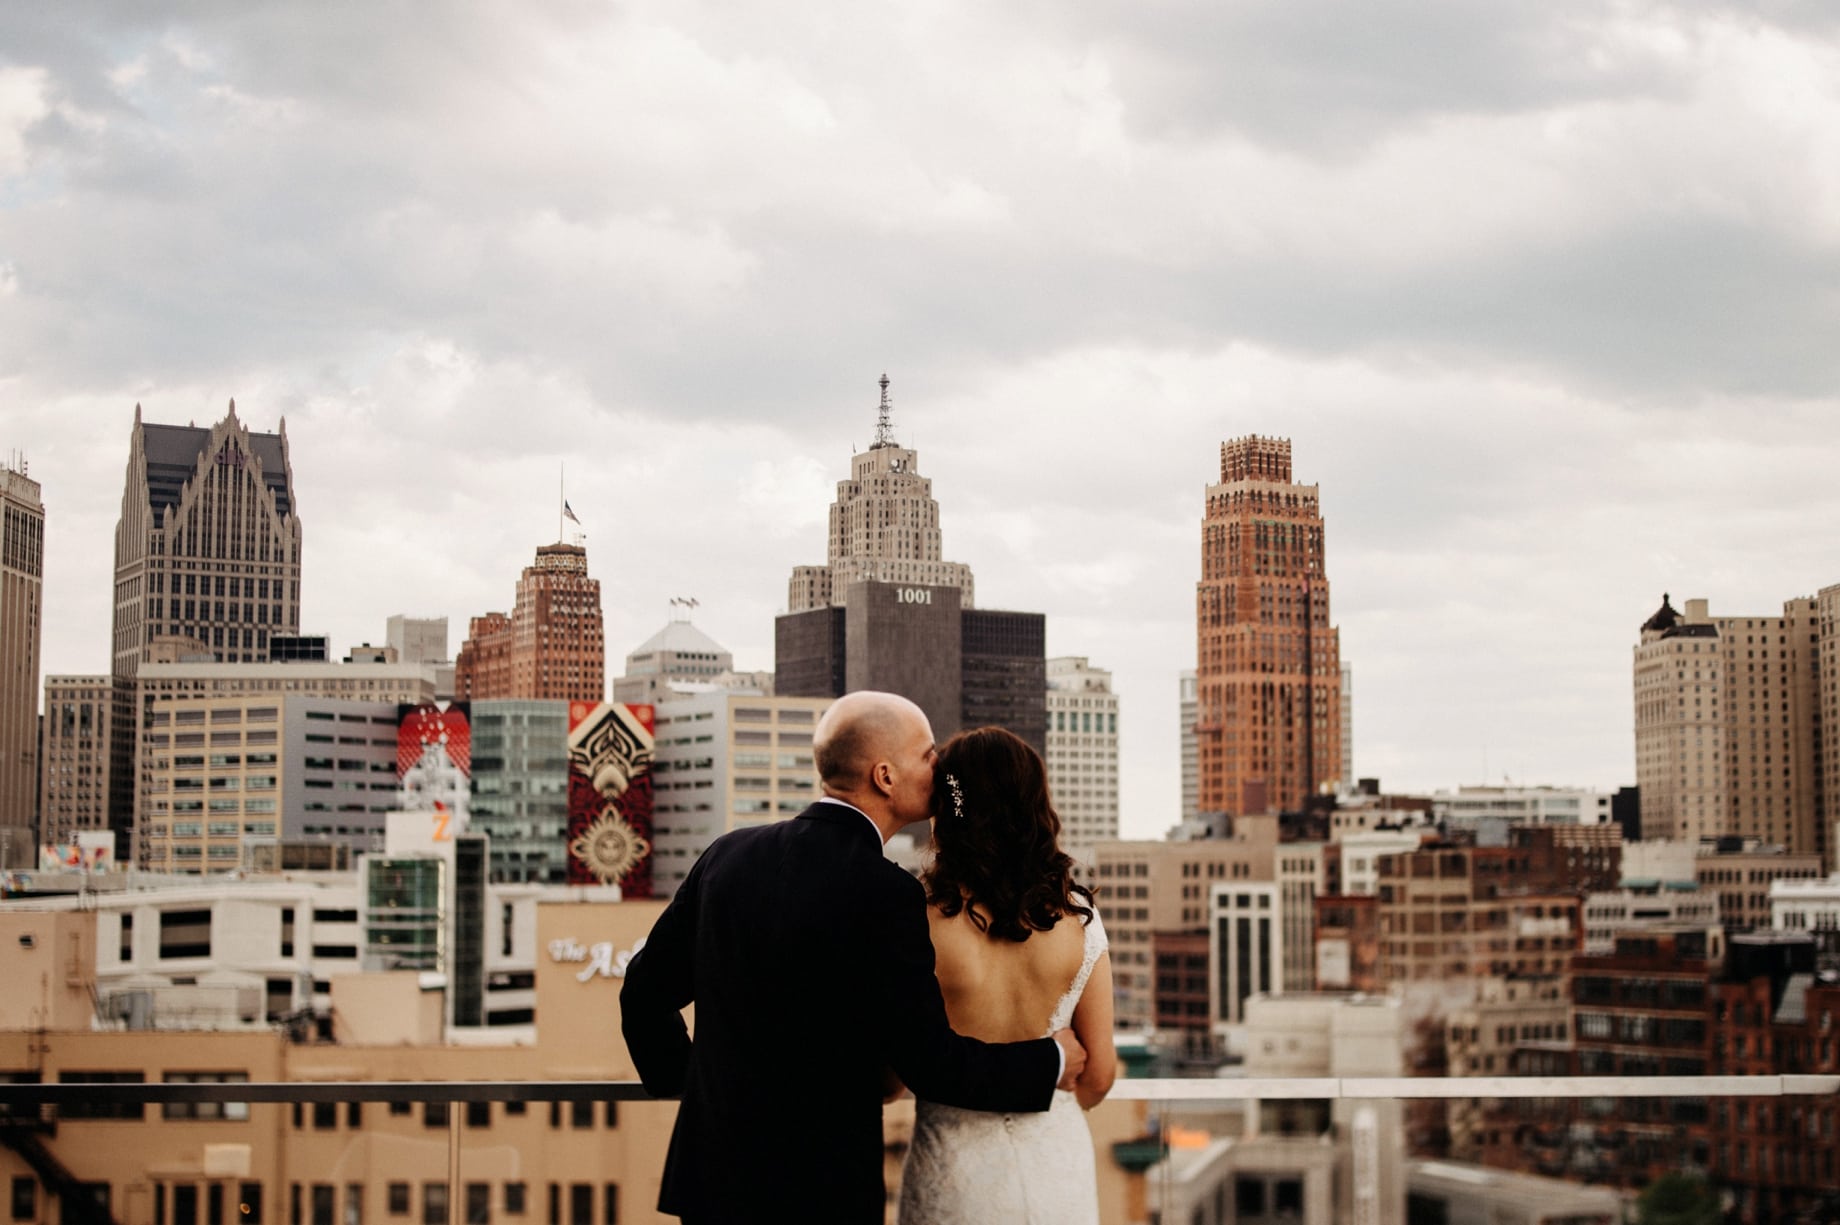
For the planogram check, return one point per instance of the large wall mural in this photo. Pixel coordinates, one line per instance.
(610, 796)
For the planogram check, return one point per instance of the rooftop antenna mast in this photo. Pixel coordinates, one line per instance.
(884, 419)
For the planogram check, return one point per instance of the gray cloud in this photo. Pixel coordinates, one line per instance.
(1543, 294)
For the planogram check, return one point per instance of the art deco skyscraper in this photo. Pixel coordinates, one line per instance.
(888, 613)
(1268, 681)
(551, 646)
(208, 544)
(884, 528)
(22, 568)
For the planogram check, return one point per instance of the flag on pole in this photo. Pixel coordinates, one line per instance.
(569, 514)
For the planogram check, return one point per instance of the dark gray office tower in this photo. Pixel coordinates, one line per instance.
(888, 613)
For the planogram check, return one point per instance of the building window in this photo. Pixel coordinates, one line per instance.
(25, 1197)
(581, 1203)
(514, 1199)
(397, 1199)
(233, 1111)
(185, 933)
(95, 1109)
(434, 1203)
(249, 1203)
(324, 1204)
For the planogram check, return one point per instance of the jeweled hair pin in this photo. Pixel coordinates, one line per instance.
(958, 797)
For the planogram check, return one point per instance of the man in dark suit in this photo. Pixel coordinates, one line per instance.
(807, 956)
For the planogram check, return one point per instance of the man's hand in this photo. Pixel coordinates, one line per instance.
(1075, 1055)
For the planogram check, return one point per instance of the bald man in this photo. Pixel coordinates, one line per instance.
(807, 955)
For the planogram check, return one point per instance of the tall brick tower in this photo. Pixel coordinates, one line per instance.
(551, 646)
(1268, 721)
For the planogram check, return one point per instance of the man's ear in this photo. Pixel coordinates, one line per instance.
(881, 777)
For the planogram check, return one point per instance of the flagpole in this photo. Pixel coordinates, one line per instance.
(562, 495)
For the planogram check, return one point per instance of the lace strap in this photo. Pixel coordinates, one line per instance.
(1096, 943)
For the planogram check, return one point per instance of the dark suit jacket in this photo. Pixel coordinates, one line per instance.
(808, 958)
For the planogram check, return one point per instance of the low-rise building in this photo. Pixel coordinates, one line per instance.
(1149, 887)
(1487, 812)
(224, 771)
(1741, 872)
(1644, 904)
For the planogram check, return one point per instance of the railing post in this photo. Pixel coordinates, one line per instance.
(453, 1162)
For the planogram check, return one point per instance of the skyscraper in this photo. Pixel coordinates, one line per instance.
(1733, 723)
(22, 569)
(886, 612)
(884, 528)
(208, 544)
(550, 647)
(1268, 679)
(1083, 750)
(78, 761)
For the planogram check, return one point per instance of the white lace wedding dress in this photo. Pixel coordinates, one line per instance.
(970, 1167)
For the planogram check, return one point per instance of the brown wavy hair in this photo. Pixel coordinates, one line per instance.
(996, 838)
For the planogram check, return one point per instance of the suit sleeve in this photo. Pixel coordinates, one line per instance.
(660, 983)
(933, 1061)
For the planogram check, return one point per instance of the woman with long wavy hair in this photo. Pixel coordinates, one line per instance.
(1020, 953)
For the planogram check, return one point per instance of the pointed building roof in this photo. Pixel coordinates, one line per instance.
(1665, 618)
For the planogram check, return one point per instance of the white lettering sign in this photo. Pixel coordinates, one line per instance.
(913, 595)
(600, 958)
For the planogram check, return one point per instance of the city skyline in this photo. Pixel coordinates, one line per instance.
(1543, 299)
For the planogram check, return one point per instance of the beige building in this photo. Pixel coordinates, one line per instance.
(22, 569)
(252, 768)
(1315, 1161)
(1146, 888)
(1481, 1038)
(1082, 755)
(1453, 913)
(1742, 879)
(1729, 723)
(584, 1164)
(726, 760)
(213, 734)
(81, 759)
(884, 528)
(1611, 911)
(590, 1163)
(1303, 876)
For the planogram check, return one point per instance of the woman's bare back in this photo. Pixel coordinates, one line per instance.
(998, 990)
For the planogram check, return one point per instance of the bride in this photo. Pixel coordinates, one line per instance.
(1020, 953)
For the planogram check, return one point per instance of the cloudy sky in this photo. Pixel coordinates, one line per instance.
(1545, 294)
